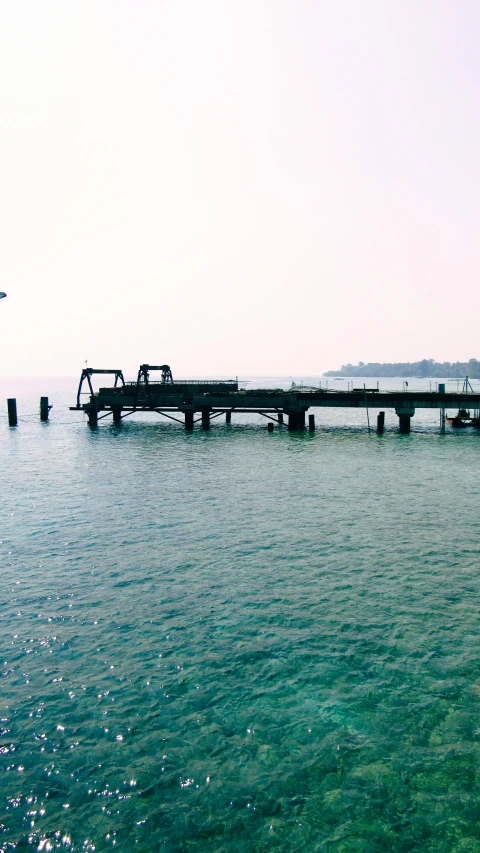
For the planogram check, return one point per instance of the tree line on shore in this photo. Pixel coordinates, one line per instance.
(427, 368)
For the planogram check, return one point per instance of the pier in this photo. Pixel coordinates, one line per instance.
(192, 402)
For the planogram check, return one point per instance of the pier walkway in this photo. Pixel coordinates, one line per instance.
(190, 402)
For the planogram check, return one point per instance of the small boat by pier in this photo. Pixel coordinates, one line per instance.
(463, 418)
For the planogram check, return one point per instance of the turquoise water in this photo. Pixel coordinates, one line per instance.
(238, 640)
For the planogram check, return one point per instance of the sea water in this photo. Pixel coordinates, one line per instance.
(236, 639)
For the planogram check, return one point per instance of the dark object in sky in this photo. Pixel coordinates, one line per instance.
(2, 295)
(426, 369)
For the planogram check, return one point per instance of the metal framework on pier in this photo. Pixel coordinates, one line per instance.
(143, 379)
(87, 374)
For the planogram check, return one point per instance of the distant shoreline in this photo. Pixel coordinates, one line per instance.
(425, 369)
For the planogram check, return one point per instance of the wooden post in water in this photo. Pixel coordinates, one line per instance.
(206, 418)
(311, 422)
(280, 417)
(44, 408)
(12, 411)
(380, 422)
(228, 417)
(270, 426)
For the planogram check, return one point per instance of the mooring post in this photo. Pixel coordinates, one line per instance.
(280, 417)
(206, 418)
(188, 419)
(380, 422)
(117, 415)
(228, 417)
(12, 411)
(311, 423)
(270, 426)
(44, 408)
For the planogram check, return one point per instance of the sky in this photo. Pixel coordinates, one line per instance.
(238, 188)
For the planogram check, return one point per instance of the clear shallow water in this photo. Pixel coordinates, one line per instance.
(235, 639)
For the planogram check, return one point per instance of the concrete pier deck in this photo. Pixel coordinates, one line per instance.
(192, 402)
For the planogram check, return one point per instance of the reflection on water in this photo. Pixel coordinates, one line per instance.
(238, 640)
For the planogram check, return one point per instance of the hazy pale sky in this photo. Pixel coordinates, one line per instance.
(245, 187)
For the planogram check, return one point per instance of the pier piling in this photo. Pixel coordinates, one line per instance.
(405, 414)
(270, 426)
(117, 415)
(205, 418)
(296, 420)
(280, 417)
(228, 417)
(380, 422)
(188, 419)
(44, 408)
(92, 414)
(311, 423)
(12, 411)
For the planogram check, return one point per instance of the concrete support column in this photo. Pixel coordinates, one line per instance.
(188, 419)
(205, 418)
(380, 422)
(92, 417)
(117, 415)
(296, 420)
(405, 414)
(228, 417)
